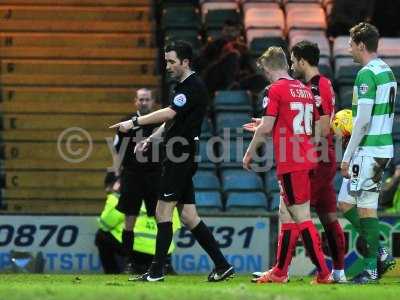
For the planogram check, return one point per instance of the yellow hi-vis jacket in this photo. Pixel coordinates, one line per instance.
(145, 230)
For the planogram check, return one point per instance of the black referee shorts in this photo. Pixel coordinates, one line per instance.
(176, 181)
(138, 186)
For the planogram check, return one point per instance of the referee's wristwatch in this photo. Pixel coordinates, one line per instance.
(135, 121)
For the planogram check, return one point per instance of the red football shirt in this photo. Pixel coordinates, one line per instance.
(324, 96)
(293, 105)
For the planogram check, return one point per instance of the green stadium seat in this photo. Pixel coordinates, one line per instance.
(216, 18)
(259, 44)
(189, 35)
(251, 34)
(180, 17)
(346, 70)
(325, 68)
(232, 101)
(345, 96)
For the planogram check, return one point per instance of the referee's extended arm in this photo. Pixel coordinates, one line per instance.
(159, 116)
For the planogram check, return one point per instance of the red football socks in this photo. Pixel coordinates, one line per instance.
(288, 237)
(337, 244)
(312, 244)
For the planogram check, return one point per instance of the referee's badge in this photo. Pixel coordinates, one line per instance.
(180, 100)
(265, 102)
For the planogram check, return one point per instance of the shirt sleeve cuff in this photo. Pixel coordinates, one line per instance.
(174, 108)
(346, 157)
(365, 101)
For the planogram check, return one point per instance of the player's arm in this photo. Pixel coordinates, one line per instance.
(327, 104)
(366, 97)
(318, 132)
(159, 116)
(265, 128)
(120, 140)
(316, 124)
(324, 125)
(360, 127)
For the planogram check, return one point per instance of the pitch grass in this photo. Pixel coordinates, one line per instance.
(106, 287)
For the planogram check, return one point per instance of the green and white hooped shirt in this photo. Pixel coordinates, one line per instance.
(376, 84)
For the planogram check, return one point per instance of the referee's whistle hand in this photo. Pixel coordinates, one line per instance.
(142, 146)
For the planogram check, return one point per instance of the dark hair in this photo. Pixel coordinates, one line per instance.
(367, 34)
(308, 51)
(183, 50)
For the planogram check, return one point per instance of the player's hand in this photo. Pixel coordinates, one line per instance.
(123, 126)
(247, 161)
(252, 126)
(344, 169)
(142, 146)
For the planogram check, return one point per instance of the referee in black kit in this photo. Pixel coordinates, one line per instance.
(181, 128)
(140, 175)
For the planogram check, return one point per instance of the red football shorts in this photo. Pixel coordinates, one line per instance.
(295, 187)
(323, 195)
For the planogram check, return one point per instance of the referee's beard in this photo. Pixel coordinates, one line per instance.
(144, 111)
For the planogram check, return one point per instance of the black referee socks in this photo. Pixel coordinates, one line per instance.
(164, 239)
(127, 243)
(207, 241)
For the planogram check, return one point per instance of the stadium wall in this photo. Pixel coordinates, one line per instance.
(67, 243)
